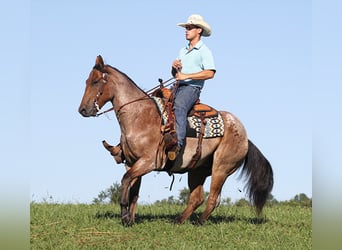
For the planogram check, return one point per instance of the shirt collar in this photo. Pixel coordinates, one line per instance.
(197, 45)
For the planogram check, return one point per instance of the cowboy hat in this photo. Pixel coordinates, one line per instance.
(198, 21)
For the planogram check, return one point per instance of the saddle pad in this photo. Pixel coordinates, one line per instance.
(214, 125)
(161, 108)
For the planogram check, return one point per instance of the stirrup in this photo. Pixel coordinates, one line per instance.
(173, 153)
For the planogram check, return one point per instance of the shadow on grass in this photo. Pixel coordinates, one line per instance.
(217, 219)
(194, 218)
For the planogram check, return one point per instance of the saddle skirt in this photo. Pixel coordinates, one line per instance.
(214, 125)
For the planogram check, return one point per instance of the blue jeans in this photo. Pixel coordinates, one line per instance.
(185, 98)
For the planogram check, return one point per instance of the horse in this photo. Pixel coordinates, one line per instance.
(144, 149)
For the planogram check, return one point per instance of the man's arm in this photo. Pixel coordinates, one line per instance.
(202, 75)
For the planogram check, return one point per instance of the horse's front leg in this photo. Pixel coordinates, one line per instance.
(130, 185)
(133, 198)
(128, 211)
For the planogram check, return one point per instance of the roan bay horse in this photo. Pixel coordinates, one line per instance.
(144, 150)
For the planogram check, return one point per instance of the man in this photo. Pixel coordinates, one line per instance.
(194, 65)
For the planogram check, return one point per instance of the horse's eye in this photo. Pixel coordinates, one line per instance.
(96, 82)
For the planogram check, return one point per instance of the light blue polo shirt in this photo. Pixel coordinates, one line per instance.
(198, 59)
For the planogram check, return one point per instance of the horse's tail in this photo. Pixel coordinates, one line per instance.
(259, 175)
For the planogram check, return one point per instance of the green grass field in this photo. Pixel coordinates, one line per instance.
(80, 226)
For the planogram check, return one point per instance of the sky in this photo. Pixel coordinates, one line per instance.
(278, 69)
(263, 56)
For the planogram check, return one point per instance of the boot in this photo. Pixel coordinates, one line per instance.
(170, 140)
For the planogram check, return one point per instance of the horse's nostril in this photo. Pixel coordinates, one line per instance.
(82, 111)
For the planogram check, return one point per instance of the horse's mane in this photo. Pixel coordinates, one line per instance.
(102, 70)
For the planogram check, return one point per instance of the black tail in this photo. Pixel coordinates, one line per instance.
(259, 175)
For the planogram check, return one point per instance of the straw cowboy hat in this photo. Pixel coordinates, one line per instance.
(198, 21)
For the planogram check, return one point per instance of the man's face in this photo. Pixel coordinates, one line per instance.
(192, 31)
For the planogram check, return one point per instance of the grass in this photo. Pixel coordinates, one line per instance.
(80, 226)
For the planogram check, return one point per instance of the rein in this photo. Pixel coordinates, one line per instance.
(149, 92)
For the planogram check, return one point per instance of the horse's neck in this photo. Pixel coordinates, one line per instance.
(132, 104)
(124, 89)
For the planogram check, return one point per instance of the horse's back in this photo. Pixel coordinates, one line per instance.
(232, 145)
(233, 125)
(235, 139)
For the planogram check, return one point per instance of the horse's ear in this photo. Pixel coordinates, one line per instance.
(99, 61)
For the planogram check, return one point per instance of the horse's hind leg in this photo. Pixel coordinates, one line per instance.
(219, 176)
(196, 179)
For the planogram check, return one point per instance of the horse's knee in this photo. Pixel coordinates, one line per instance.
(195, 201)
(196, 198)
(199, 201)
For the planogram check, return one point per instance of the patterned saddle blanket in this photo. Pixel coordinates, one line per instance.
(214, 125)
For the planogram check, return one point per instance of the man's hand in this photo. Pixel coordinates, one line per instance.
(177, 64)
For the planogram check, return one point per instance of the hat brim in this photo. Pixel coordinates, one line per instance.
(206, 30)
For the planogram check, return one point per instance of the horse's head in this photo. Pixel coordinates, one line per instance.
(95, 94)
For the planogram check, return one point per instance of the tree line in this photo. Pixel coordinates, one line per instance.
(113, 194)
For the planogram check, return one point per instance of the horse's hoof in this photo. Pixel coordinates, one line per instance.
(178, 220)
(202, 221)
(126, 220)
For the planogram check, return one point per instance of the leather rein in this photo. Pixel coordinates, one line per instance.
(104, 79)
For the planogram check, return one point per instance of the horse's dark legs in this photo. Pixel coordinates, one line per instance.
(214, 197)
(196, 179)
(218, 178)
(133, 198)
(140, 168)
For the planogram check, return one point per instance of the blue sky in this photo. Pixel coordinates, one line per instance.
(263, 55)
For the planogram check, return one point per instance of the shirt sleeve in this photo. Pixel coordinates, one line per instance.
(208, 60)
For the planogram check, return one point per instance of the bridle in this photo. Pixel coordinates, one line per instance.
(104, 79)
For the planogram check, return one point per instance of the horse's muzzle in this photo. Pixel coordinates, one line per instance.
(86, 112)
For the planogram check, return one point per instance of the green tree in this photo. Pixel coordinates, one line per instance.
(242, 203)
(271, 200)
(171, 200)
(227, 201)
(302, 199)
(184, 196)
(110, 195)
